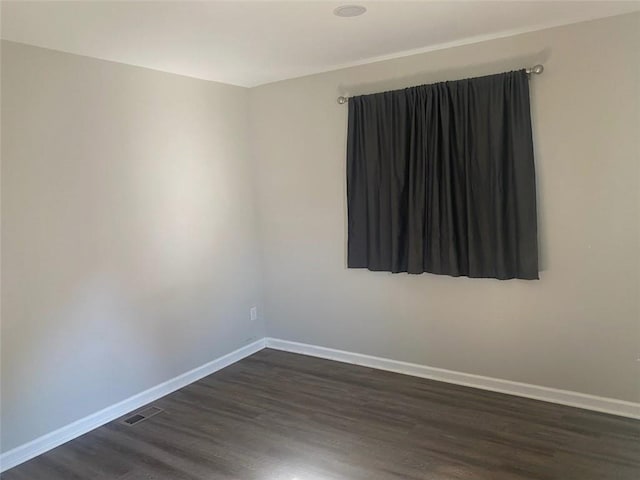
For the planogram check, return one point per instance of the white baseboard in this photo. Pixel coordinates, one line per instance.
(53, 439)
(553, 395)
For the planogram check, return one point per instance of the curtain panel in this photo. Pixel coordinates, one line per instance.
(441, 179)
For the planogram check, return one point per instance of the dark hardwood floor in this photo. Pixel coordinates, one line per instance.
(282, 416)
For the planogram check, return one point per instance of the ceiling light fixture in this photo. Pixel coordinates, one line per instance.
(349, 11)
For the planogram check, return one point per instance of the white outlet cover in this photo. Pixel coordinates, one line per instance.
(254, 313)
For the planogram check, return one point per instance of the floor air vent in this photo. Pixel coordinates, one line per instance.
(142, 415)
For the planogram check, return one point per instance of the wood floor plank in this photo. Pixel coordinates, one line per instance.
(283, 416)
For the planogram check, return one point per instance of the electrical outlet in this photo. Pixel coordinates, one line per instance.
(253, 311)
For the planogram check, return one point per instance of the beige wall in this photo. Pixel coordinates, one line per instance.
(128, 233)
(578, 328)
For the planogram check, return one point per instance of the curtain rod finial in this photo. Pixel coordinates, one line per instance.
(342, 100)
(537, 69)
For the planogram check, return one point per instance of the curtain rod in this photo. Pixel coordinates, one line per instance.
(537, 69)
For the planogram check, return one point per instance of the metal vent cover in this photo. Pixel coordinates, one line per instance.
(140, 416)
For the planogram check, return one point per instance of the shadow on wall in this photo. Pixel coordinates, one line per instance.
(434, 76)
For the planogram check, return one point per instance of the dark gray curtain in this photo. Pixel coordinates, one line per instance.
(441, 179)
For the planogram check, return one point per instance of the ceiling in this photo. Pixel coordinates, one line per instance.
(252, 43)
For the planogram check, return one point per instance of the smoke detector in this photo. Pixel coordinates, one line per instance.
(349, 11)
